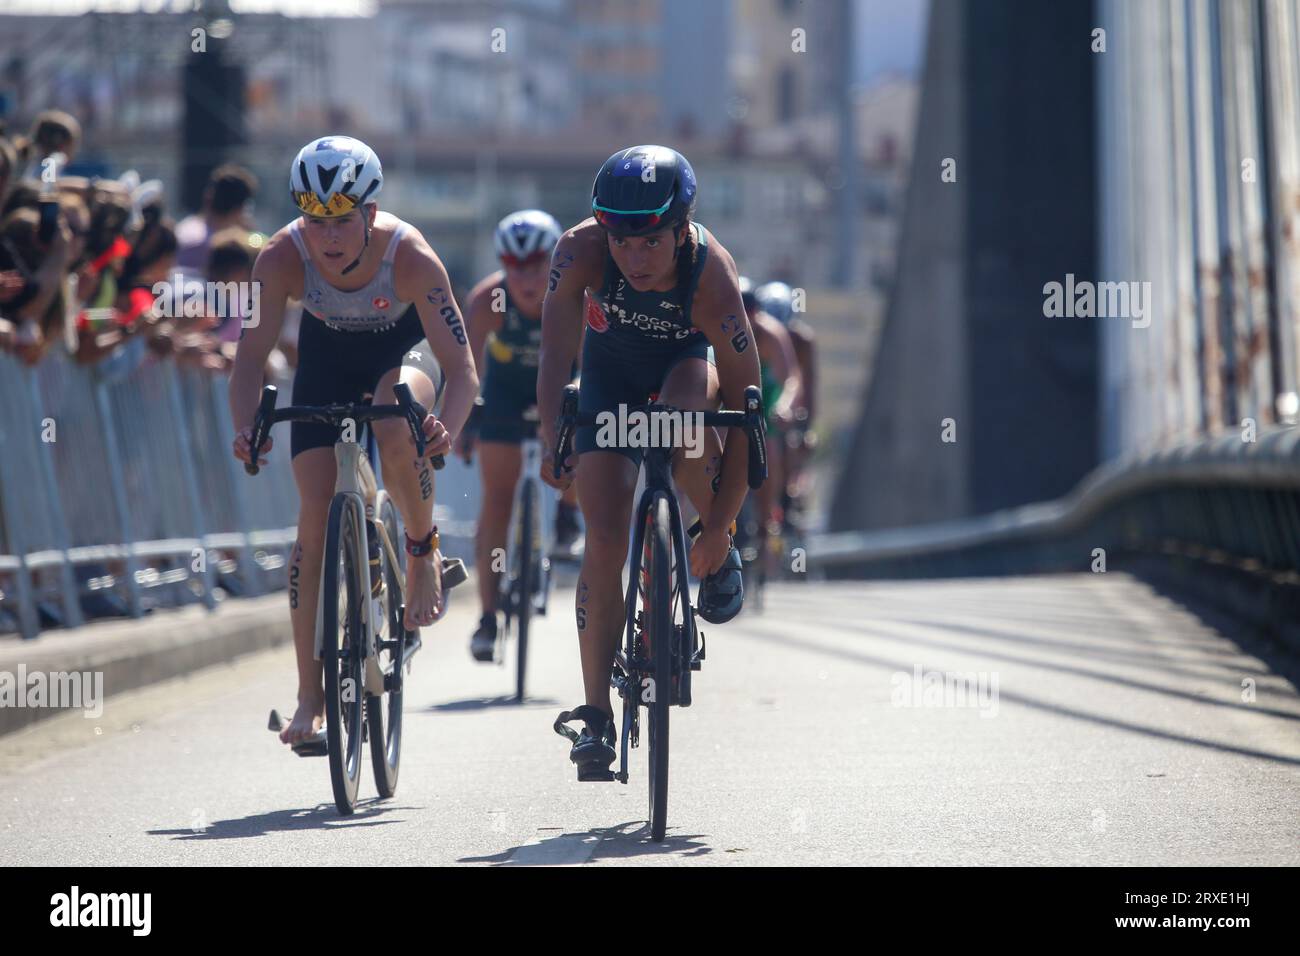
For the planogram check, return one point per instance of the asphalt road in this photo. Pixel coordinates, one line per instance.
(1103, 725)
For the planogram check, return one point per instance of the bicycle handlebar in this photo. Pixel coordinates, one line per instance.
(751, 420)
(267, 415)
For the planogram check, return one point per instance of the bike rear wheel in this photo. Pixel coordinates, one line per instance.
(342, 592)
(657, 615)
(384, 713)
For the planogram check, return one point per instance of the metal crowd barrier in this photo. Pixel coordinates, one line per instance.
(118, 492)
(1224, 500)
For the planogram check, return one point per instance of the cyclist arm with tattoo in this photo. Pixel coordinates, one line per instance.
(719, 313)
(576, 264)
(419, 277)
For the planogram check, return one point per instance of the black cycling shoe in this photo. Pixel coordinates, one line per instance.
(722, 593)
(593, 749)
(483, 644)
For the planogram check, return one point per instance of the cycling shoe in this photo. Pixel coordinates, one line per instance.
(593, 748)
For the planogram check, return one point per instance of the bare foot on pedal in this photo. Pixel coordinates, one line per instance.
(424, 600)
(307, 721)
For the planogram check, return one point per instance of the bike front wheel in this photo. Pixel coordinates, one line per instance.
(384, 713)
(342, 591)
(657, 614)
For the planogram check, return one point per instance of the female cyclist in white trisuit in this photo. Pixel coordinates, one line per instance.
(371, 289)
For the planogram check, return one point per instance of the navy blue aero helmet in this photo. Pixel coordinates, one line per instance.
(642, 190)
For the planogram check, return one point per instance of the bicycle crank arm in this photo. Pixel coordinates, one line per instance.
(413, 645)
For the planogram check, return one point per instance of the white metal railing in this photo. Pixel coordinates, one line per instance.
(117, 479)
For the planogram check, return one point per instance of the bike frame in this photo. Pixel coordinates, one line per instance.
(659, 484)
(530, 464)
(627, 671)
(356, 479)
(359, 502)
(530, 449)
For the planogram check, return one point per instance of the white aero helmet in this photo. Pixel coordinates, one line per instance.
(777, 300)
(526, 233)
(333, 175)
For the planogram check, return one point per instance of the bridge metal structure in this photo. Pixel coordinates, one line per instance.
(1193, 114)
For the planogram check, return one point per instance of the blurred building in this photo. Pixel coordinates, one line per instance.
(653, 68)
(440, 67)
(784, 72)
(482, 106)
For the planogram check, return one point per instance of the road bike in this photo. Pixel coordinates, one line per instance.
(360, 635)
(662, 646)
(525, 587)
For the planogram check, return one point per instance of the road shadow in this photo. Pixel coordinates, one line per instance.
(323, 816)
(1218, 675)
(487, 703)
(622, 841)
(1229, 601)
(1029, 635)
(779, 635)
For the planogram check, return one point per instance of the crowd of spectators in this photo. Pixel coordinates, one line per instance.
(81, 258)
(81, 263)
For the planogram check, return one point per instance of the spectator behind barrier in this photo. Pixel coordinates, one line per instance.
(38, 309)
(11, 280)
(8, 162)
(149, 259)
(23, 194)
(53, 131)
(231, 259)
(230, 189)
(87, 272)
(105, 254)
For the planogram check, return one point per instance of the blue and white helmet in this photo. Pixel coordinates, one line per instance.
(333, 175)
(777, 300)
(525, 233)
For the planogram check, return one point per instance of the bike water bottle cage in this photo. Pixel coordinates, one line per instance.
(418, 549)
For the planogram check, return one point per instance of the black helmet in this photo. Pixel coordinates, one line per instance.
(642, 190)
